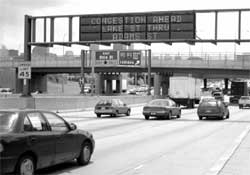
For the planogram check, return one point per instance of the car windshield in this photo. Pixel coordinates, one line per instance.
(159, 103)
(7, 121)
(104, 102)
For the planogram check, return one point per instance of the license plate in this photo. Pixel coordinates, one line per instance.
(208, 111)
(153, 113)
(103, 108)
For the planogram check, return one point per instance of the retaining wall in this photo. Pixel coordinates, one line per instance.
(64, 102)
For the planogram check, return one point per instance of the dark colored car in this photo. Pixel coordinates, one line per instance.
(34, 139)
(218, 96)
(161, 108)
(111, 107)
(213, 109)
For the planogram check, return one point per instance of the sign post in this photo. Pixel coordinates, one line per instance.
(81, 81)
(27, 55)
(149, 72)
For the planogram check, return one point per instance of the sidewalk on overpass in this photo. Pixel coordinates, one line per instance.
(239, 162)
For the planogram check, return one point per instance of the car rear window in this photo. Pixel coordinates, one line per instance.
(245, 98)
(159, 103)
(104, 102)
(209, 103)
(7, 121)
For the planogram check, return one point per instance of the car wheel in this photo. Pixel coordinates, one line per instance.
(146, 117)
(128, 112)
(169, 116)
(26, 165)
(200, 117)
(227, 115)
(179, 115)
(85, 154)
(98, 115)
(115, 114)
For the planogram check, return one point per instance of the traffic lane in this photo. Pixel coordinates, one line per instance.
(200, 156)
(89, 115)
(126, 152)
(123, 123)
(210, 141)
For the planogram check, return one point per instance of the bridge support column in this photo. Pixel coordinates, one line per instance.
(226, 85)
(109, 89)
(98, 84)
(165, 85)
(118, 86)
(39, 83)
(157, 84)
(205, 83)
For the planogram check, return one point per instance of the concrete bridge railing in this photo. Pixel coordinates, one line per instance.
(156, 62)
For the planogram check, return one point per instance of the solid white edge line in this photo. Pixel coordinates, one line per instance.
(220, 163)
(138, 167)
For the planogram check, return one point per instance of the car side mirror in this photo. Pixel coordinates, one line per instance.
(72, 126)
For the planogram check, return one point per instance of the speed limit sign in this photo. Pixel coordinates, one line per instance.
(24, 70)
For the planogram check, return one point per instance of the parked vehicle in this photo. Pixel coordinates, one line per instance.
(185, 91)
(161, 108)
(35, 139)
(111, 107)
(5, 91)
(238, 89)
(213, 109)
(132, 91)
(244, 101)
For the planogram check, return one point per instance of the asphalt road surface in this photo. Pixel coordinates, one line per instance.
(135, 146)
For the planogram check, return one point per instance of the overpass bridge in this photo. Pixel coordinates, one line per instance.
(206, 66)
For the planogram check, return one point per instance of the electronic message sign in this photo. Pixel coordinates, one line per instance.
(138, 26)
(106, 58)
(130, 58)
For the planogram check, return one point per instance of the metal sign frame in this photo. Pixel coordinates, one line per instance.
(30, 34)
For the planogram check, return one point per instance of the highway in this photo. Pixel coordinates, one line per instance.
(135, 146)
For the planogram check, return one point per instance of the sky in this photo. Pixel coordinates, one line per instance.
(12, 19)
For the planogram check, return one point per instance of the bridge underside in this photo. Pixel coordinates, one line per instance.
(197, 72)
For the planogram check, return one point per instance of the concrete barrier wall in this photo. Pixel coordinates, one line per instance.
(65, 102)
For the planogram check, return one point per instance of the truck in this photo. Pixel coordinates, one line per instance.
(238, 89)
(185, 91)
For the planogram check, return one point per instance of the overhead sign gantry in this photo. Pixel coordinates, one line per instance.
(125, 28)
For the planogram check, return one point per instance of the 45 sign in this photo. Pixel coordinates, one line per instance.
(24, 70)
